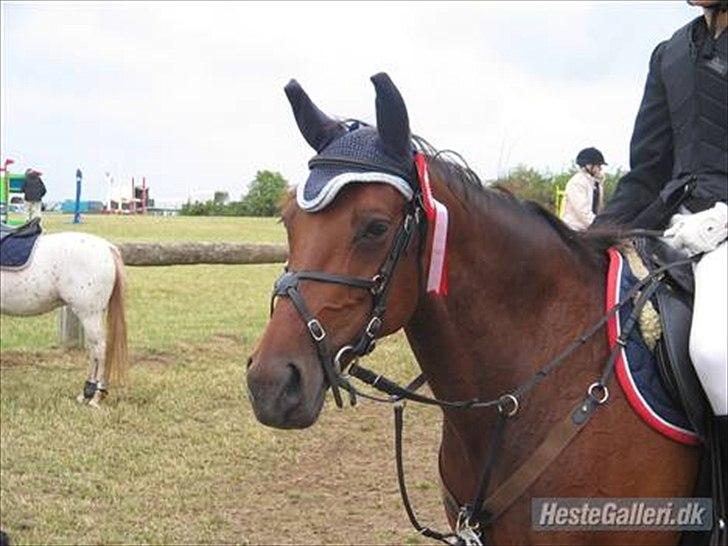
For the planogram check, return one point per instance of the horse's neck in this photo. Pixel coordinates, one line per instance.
(511, 287)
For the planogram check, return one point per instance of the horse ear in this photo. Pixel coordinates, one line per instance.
(316, 127)
(392, 119)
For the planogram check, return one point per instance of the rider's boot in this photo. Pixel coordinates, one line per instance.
(719, 456)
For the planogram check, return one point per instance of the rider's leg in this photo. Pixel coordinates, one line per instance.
(708, 353)
(708, 343)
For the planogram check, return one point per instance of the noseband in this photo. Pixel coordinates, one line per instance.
(287, 286)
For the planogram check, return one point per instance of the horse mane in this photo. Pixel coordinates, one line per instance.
(590, 245)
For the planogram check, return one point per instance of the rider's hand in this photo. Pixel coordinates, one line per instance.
(700, 232)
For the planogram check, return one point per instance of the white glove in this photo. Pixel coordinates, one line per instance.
(700, 232)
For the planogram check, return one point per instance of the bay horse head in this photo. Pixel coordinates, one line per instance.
(352, 232)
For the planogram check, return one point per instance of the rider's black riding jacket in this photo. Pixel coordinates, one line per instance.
(679, 147)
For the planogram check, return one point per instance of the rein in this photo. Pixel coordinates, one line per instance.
(482, 512)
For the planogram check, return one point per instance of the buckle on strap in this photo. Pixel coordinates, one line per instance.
(373, 327)
(467, 533)
(317, 331)
(378, 282)
(409, 220)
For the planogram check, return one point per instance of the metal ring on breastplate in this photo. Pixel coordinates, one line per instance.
(596, 387)
(504, 402)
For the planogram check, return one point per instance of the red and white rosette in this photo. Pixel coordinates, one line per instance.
(436, 214)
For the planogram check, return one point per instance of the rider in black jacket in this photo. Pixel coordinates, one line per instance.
(679, 147)
(679, 178)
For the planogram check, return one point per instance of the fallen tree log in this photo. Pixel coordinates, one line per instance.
(186, 253)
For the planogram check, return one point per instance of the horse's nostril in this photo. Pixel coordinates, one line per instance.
(293, 388)
(249, 363)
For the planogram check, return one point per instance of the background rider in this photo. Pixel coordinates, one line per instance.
(584, 192)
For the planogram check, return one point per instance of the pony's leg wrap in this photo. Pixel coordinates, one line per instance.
(94, 330)
(88, 392)
(99, 396)
(89, 389)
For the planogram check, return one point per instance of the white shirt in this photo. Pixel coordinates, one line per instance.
(578, 196)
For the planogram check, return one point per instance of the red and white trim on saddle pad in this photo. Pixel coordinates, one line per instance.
(623, 370)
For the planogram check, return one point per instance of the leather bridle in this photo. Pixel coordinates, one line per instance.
(287, 286)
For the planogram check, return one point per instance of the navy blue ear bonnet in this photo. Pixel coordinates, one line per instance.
(354, 152)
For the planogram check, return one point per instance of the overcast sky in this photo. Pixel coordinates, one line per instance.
(190, 95)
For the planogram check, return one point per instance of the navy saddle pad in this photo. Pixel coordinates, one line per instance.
(17, 244)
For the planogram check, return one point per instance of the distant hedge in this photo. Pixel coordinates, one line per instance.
(263, 199)
(268, 188)
(528, 183)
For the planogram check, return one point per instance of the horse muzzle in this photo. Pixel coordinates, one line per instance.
(278, 393)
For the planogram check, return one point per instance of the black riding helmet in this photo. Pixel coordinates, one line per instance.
(590, 156)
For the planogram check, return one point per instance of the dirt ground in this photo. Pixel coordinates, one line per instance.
(345, 489)
(333, 483)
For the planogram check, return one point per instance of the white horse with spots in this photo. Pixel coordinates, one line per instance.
(86, 273)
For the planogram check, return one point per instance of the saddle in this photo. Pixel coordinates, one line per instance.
(28, 229)
(674, 303)
(674, 300)
(17, 244)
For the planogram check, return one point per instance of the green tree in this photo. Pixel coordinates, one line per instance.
(221, 197)
(265, 194)
(560, 179)
(195, 208)
(528, 183)
(610, 183)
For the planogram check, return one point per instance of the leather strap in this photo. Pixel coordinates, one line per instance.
(422, 529)
(318, 336)
(561, 435)
(558, 438)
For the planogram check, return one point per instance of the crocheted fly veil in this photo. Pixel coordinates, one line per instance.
(348, 153)
(354, 152)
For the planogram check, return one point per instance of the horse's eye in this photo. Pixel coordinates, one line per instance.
(376, 229)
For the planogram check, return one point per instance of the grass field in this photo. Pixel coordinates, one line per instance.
(172, 228)
(177, 457)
